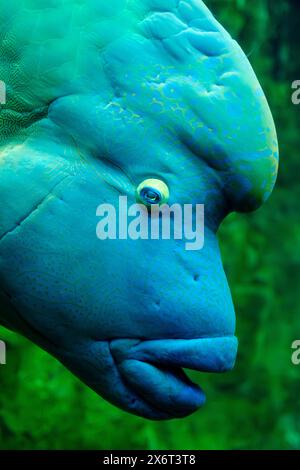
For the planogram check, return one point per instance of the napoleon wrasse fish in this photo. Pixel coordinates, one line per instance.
(101, 97)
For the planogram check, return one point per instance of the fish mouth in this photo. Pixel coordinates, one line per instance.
(153, 370)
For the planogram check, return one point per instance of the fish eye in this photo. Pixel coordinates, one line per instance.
(152, 191)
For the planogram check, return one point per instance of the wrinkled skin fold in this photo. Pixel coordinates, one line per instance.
(101, 96)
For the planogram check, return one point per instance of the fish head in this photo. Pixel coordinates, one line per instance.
(168, 106)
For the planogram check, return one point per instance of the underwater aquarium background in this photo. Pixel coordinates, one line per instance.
(257, 406)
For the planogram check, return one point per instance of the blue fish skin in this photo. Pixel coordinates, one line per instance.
(100, 97)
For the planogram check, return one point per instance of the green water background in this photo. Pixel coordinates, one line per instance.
(257, 406)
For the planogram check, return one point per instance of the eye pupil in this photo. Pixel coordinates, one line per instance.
(150, 195)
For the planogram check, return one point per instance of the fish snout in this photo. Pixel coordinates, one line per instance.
(153, 369)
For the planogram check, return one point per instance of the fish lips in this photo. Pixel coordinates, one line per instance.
(153, 369)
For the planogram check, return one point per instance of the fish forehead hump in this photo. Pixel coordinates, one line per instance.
(186, 73)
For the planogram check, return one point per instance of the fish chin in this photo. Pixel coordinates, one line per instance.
(146, 377)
